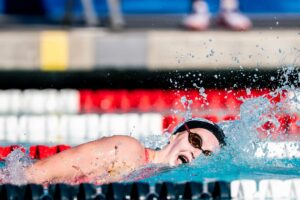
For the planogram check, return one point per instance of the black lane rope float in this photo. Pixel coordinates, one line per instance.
(137, 190)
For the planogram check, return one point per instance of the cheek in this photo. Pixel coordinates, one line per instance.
(173, 161)
(184, 145)
(183, 142)
(187, 145)
(197, 153)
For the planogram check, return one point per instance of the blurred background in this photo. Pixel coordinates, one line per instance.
(75, 70)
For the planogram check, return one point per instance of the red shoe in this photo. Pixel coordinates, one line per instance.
(200, 19)
(234, 20)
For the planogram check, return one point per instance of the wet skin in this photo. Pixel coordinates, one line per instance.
(109, 159)
(179, 150)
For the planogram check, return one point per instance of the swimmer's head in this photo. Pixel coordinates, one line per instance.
(202, 123)
(193, 138)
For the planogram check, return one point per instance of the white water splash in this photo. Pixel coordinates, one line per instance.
(186, 103)
(294, 99)
(15, 164)
(156, 141)
(244, 135)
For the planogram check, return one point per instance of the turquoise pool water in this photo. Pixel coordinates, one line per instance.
(218, 168)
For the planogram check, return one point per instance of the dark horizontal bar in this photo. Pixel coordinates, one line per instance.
(138, 190)
(134, 79)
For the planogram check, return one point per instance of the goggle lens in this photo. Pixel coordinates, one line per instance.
(196, 141)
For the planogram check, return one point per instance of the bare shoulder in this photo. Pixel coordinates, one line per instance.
(122, 140)
(124, 144)
(127, 148)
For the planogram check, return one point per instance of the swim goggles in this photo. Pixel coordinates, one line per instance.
(196, 141)
(202, 123)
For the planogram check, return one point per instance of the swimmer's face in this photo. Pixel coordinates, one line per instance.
(182, 151)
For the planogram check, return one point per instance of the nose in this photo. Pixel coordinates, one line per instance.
(196, 152)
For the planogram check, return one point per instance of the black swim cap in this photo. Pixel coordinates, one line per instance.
(203, 123)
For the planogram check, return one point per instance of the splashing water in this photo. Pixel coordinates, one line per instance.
(187, 105)
(239, 159)
(248, 155)
(15, 164)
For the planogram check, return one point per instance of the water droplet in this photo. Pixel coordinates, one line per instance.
(248, 91)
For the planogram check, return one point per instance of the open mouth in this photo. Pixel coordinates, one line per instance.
(183, 159)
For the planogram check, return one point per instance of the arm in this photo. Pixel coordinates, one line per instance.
(109, 155)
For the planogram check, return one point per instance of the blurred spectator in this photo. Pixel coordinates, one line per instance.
(90, 14)
(229, 16)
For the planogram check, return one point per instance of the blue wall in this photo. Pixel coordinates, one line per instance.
(55, 8)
